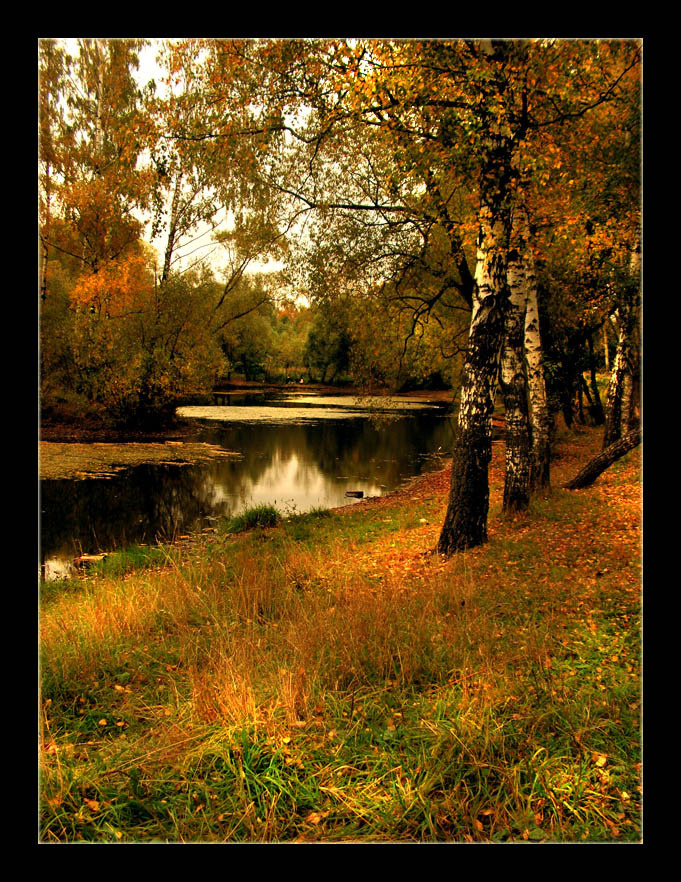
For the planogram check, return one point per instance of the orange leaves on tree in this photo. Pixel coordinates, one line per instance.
(117, 288)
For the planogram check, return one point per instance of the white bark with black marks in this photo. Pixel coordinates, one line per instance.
(513, 383)
(465, 524)
(540, 416)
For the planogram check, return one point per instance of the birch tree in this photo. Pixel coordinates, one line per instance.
(522, 277)
(513, 380)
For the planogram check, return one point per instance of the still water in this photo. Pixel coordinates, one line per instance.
(299, 461)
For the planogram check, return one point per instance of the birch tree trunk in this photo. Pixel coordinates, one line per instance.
(99, 108)
(621, 414)
(539, 403)
(605, 459)
(613, 401)
(465, 524)
(171, 241)
(606, 351)
(528, 429)
(622, 406)
(512, 376)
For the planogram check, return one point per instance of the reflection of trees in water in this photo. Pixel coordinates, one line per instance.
(148, 502)
(140, 504)
(381, 451)
(352, 447)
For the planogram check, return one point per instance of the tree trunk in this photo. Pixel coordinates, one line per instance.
(622, 407)
(172, 229)
(605, 459)
(606, 351)
(513, 382)
(596, 407)
(540, 435)
(43, 270)
(465, 524)
(613, 401)
(620, 404)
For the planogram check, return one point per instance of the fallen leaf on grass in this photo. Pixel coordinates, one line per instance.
(316, 817)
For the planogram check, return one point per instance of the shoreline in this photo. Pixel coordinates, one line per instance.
(85, 431)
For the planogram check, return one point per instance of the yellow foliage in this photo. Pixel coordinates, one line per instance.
(115, 288)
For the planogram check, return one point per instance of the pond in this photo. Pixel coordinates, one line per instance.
(295, 452)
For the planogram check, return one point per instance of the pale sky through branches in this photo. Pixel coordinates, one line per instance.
(199, 243)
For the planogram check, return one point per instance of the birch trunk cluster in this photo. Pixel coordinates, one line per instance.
(522, 375)
(504, 349)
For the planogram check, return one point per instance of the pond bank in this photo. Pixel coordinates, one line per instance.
(52, 428)
(78, 460)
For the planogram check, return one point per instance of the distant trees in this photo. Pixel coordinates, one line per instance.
(95, 276)
(126, 330)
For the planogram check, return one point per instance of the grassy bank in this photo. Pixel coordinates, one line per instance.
(329, 679)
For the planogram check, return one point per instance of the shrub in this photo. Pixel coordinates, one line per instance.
(258, 516)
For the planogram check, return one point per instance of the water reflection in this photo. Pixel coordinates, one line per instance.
(295, 466)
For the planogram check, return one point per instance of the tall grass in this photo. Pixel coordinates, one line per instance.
(256, 516)
(333, 680)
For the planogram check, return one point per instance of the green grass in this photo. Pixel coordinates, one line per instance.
(326, 680)
(132, 558)
(258, 516)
